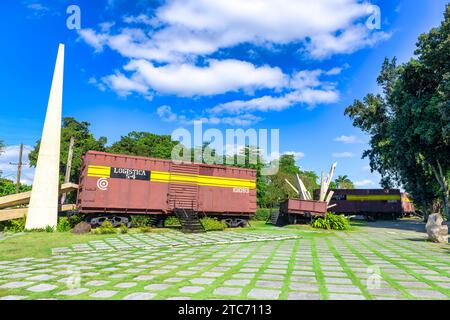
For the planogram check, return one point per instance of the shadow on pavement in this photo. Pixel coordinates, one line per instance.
(408, 224)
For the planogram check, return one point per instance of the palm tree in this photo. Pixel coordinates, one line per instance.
(343, 182)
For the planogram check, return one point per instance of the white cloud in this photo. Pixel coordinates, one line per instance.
(123, 85)
(348, 41)
(200, 27)
(296, 154)
(169, 52)
(187, 80)
(304, 87)
(342, 155)
(346, 139)
(363, 183)
(11, 155)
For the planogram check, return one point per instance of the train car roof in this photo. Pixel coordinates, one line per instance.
(159, 159)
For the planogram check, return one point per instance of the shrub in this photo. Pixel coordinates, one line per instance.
(75, 219)
(262, 214)
(16, 225)
(331, 221)
(172, 221)
(105, 228)
(123, 228)
(140, 221)
(49, 229)
(63, 225)
(212, 224)
(146, 229)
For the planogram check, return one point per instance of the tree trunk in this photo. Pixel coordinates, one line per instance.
(441, 179)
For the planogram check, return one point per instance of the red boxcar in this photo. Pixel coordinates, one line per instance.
(123, 184)
(371, 203)
(305, 208)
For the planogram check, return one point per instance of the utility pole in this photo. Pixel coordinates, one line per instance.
(68, 166)
(19, 168)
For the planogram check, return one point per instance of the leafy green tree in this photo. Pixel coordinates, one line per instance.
(277, 188)
(144, 144)
(409, 121)
(343, 182)
(8, 187)
(84, 141)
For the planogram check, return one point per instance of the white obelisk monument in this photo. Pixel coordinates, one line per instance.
(43, 209)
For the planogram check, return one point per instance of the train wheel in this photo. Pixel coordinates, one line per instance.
(235, 222)
(115, 220)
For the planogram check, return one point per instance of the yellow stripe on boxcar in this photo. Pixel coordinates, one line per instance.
(373, 197)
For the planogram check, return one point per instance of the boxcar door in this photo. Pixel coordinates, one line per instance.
(183, 187)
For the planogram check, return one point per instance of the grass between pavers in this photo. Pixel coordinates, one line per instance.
(355, 280)
(417, 275)
(405, 268)
(384, 275)
(39, 244)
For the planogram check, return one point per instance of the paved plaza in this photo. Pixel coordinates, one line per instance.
(371, 263)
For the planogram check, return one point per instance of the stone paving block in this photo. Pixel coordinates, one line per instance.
(179, 298)
(191, 289)
(413, 284)
(103, 294)
(227, 291)
(269, 284)
(96, 283)
(237, 282)
(342, 288)
(174, 280)
(303, 296)
(12, 297)
(304, 286)
(202, 280)
(212, 274)
(16, 284)
(144, 277)
(445, 285)
(42, 287)
(118, 276)
(140, 296)
(157, 287)
(264, 294)
(72, 292)
(126, 285)
(41, 277)
(271, 277)
(303, 279)
(338, 280)
(432, 294)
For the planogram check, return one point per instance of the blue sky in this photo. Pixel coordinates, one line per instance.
(158, 65)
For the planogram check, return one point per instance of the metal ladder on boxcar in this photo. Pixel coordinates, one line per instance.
(183, 199)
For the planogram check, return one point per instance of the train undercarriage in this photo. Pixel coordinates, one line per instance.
(158, 220)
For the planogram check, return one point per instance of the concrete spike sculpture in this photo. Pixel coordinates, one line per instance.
(43, 209)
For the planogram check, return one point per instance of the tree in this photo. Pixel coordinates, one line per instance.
(84, 141)
(409, 121)
(144, 144)
(8, 187)
(277, 188)
(343, 182)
